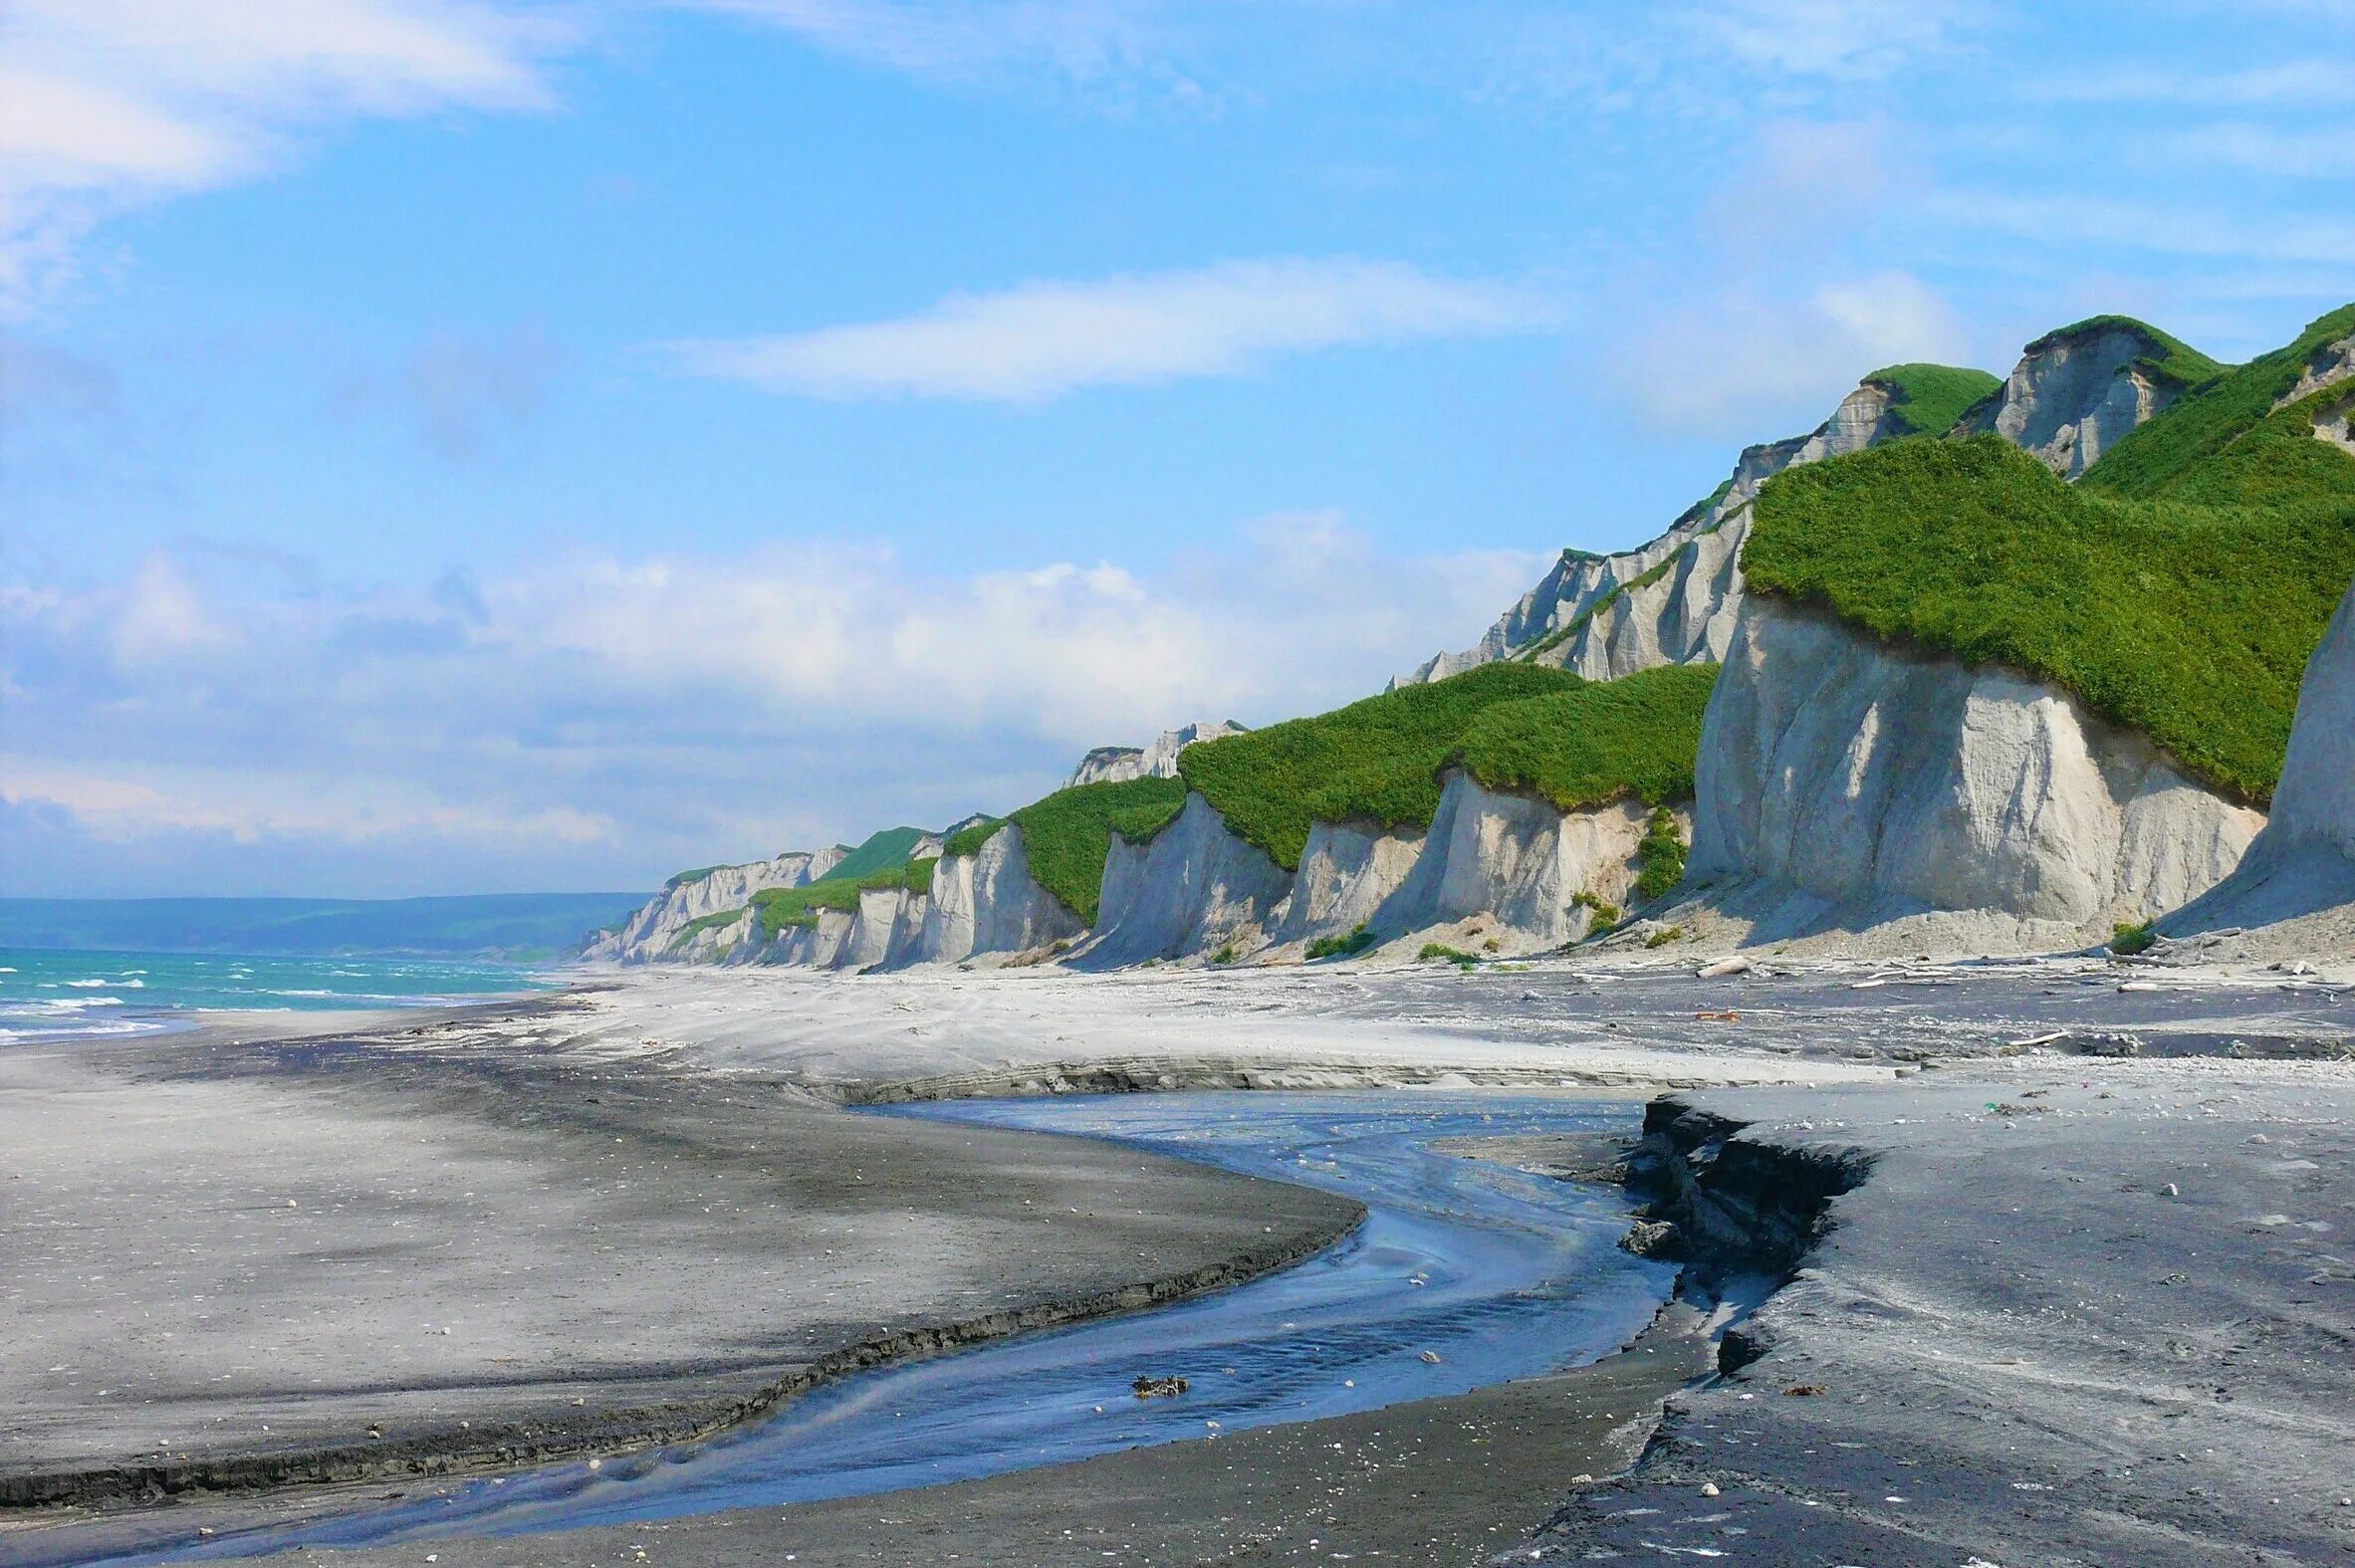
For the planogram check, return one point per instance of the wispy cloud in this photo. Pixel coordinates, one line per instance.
(105, 103)
(1045, 339)
(2152, 226)
(1843, 39)
(1721, 367)
(1083, 42)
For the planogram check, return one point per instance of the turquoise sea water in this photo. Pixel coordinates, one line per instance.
(50, 994)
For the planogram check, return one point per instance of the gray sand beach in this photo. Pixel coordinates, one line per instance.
(2016, 1327)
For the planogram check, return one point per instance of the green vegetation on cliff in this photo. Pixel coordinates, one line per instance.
(2222, 442)
(968, 840)
(883, 851)
(1929, 398)
(1377, 763)
(1597, 741)
(1374, 763)
(1068, 835)
(2187, 612)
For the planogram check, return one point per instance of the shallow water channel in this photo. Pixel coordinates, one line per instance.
(1498, 1272)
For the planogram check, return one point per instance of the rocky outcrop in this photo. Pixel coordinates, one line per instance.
(2076, 391)
(1673, 600)
(1119, 764)
(653, 933)
(1845, 786)
(1195, 888)
(2303, 863)
(988, 902)
(1518, 863)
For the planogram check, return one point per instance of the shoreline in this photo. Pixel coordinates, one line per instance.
(1854, 1055)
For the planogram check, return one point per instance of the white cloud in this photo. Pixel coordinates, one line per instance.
(1841, 39)
(1045, 339)
(105, 103)
(2152, 227)
(1726, 368)
(603, 721)
(2265, 150)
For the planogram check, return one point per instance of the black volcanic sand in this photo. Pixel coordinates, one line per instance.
(2092, 1313)
(245, 1264)
(1435, 1483)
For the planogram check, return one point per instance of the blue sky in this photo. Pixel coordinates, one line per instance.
(454, 446)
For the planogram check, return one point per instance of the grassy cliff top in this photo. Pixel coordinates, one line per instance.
(2190, 450)
(1374, 762)
(1929, 398)
(1068, 837)
(1597, 741)
(2170, 358)
(880, 852)
(2190, 621)
(968, 840)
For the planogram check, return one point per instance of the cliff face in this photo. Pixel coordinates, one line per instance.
(1673, 600)
(1844, 784)
(988, 902)
(654, 931)
(1194, 889)
(2075, 394)
(2303, 863)
(1519, 862)
(1118, 763)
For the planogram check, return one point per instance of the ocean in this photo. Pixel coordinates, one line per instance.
(52, 994)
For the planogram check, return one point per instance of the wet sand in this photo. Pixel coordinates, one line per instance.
(241, 1263)
(1434, 1484)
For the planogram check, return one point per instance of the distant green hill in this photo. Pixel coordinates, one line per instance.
(1930, 399)
(502, 925)
(2178, 588)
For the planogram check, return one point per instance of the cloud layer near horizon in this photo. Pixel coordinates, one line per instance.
(600, 718)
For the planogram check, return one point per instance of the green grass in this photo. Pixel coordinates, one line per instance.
(1068, 835)
(2188, 452)
(1350, 946)
(1661, 852)
(1663, 936)
(2128, 940)
(1929, 398)
(968, 840)
(1604, 913)
(1597, 741)
(882, 852)
(696, 875)
(2190, 622)
(1439, 952)
(1374, 763)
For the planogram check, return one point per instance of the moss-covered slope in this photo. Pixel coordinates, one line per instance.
(1597, 741)
(1927, 399)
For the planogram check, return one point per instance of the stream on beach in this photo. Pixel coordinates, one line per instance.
(1467, 1273)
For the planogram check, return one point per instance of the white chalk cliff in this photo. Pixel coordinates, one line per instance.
(1845, 786)
(650, 934)
(2075, 394)
(2303, 863)
(1673, 600)
(1119, 764)
(985, 903)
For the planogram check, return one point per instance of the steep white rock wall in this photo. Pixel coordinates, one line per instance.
(988, 902)
(2304, 860)
(1517, 860)
(1845, 784)
(1118, 763)
(651, 932)
(1347, 875)
(1193, 889)
(2074, 395)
